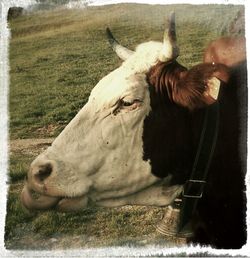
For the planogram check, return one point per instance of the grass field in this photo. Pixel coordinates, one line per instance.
(56, 58)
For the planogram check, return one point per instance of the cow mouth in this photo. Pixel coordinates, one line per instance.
(32, 200)
(42, 202)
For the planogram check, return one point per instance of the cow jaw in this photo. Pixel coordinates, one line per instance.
(157, 195)
(160, 194)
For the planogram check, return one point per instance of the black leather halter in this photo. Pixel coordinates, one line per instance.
(193, 188)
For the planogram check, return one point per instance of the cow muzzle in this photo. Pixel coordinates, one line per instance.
(35, 185)
(42, 189)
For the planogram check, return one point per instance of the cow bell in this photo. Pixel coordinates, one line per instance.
(169, 225)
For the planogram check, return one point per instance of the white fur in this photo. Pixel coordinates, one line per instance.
(99, 155)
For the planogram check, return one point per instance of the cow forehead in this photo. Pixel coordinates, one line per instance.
(129, 80)
(118, 85)
(146, 55)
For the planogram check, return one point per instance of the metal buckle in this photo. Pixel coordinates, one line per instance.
(187, 185)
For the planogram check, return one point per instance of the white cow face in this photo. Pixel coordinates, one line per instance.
(99, 155)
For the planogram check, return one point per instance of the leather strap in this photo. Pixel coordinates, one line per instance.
(193, 188)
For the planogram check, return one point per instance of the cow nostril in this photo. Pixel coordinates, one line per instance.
(43, 172)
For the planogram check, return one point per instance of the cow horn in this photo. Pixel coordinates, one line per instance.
(42, 203)
(123, 52)
(170, 49)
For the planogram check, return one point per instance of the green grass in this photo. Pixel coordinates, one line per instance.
(18, 167)
(56, 58)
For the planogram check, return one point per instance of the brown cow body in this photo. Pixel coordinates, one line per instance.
(220, 216)
(230, 51)
(222, 209)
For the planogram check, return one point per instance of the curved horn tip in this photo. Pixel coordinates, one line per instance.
(108, 31)
(110, 36)
(120, 50)
(170, 49)
(172, 15)
(171, 21)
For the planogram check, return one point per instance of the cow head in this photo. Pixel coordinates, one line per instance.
(107, 153)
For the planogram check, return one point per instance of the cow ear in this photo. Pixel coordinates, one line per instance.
(200, 86)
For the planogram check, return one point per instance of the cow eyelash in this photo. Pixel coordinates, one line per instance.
(126, 103)
(122, 104)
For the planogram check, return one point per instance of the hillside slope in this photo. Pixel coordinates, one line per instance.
(57, 57)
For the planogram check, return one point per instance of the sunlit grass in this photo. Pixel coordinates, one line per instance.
(57, 57)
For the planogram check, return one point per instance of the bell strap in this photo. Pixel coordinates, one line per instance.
(193, 188)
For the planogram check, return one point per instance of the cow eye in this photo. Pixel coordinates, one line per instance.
(126, 103)
(130, 104)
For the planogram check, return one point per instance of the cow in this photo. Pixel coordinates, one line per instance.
(230, 51)
(135, 141)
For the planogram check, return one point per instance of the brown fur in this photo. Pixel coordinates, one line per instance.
(230, 51)
(186, 87)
